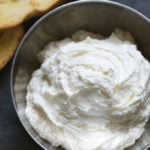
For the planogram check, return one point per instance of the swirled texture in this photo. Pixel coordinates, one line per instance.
(90, 93)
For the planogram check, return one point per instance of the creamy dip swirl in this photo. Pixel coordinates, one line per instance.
(90, 93)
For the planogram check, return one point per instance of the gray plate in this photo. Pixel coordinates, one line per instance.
(100, 17)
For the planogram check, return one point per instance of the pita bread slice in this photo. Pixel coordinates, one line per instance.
(14, 12)
(42, 6)
(9, 40)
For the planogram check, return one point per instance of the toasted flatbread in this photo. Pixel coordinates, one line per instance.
(42, 6)
(14, 12)
(9, 40)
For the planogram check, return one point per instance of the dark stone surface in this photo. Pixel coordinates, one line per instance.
(12, 134)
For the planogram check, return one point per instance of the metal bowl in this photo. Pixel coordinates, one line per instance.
(96, 16)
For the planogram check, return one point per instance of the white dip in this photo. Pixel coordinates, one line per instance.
(90, 93)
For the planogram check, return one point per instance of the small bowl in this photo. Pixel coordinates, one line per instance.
(95, 16)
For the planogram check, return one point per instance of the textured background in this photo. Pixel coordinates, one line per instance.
(12, 134)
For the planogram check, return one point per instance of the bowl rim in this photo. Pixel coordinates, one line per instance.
(39, 22)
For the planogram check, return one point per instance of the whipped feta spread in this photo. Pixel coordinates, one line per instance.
(90, 93)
